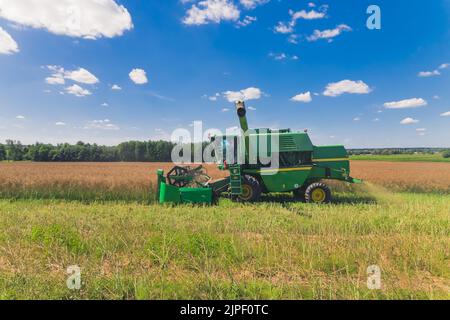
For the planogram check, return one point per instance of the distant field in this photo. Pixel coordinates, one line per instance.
(403, 158)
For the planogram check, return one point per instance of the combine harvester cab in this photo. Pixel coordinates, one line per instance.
(301, 169)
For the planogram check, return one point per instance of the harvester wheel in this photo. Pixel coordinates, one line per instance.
(318, 193)
(251, 189)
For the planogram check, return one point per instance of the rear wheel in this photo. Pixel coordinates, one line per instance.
(251, 190)
(318, 193)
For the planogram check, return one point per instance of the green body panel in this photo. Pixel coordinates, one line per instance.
(196, 195)
(287, 142)
(174, 195)
(169, 194)
(282, 180)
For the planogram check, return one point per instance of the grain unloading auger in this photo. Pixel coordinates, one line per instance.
(301, 169)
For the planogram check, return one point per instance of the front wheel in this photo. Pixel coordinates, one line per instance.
(251, 190)
(318, 193)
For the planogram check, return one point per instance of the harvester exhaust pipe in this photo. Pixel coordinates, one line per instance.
(242, 114)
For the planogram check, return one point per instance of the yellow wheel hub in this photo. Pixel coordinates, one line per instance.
(318, 195)
(247, 192)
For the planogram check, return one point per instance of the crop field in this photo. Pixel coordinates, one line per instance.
(403, 158)
(101, 217)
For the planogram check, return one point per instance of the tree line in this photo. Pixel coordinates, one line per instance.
(137, 151)
(132, 151)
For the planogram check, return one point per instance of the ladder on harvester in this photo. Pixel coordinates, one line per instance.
(235, 180)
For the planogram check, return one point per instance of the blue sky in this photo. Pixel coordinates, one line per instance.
(353, 86)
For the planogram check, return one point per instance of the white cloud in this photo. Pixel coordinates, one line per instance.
(289, 27)
(138, 76)
(245, 95)
(346, 86)
(211, 11)
(55, 79)
(105, 104)
(434, 73)
(20, 117)
(82, 76)
(302, 97)
(252, 4)
(329, 33)
(225, 109)
(78, 91)
(357, 119)
(116, 87)
(251, 108)
(421, 129)
(445, 114)
(408, 103)
(89, 19)
(282, 27)
(427, 74)
(307, 15)
(102, 125)
(408, 120)
(246, 21)
(60, 124)
(7, 44)
(59, 75)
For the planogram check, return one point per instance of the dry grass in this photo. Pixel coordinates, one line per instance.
(405, 176)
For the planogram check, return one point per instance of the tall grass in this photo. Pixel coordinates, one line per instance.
(282, 250)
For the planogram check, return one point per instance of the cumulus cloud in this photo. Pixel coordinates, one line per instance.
(307, 15)
(408, 103)
(78, 91)
(329, 34)
(138, 76)
(60, 124)
(346, 86)
(82, 76)
(211, 11)
(445, 114)
(59, 76)
(89, 19)
(282, 27)
(244, 95)
(302, 97)
(444, 66)
(7, 44)
(20, 117)
(289, 27)
(116, 87)
(408, 120)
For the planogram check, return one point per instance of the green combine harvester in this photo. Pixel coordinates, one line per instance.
(301, 169)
